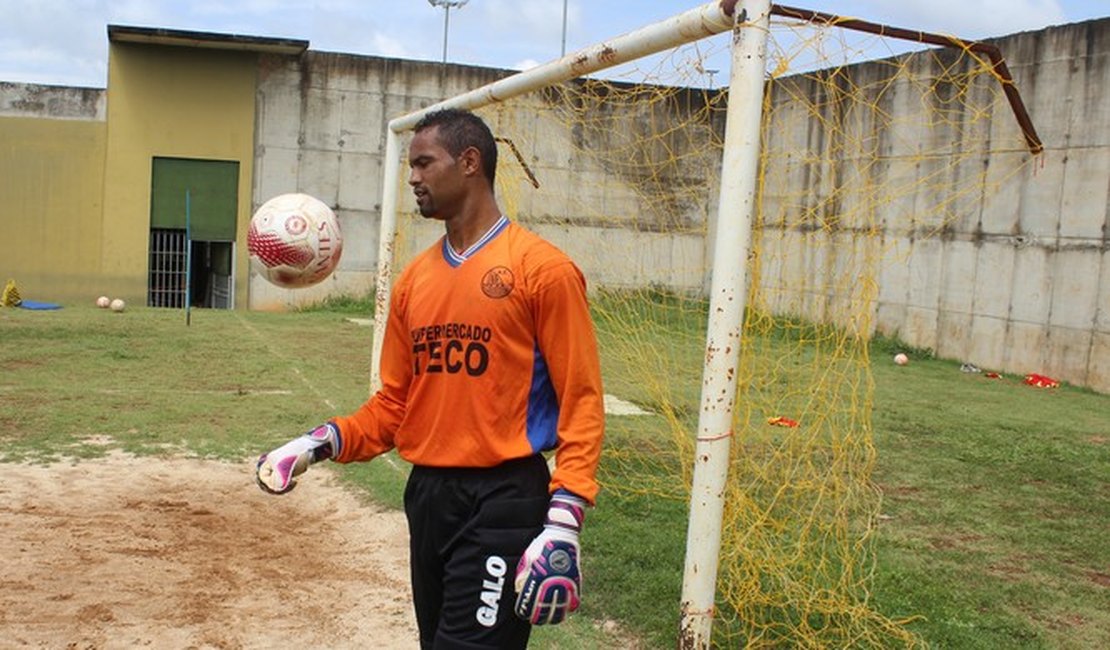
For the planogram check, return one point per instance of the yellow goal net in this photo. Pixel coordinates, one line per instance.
(863, 145)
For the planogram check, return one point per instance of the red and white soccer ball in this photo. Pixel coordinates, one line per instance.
(294, 241)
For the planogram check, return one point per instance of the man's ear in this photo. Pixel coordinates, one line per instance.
(471, 160)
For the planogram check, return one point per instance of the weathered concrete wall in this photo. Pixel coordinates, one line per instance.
(1019, 282)
(1058, 232)
(321, 130)
(321, 127)
(52, 102)
(1014, 278)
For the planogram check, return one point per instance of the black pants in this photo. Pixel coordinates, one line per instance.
(468, 528)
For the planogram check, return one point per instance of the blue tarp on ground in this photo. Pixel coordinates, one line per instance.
(33, 304)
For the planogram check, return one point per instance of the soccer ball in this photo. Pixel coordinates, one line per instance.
(294, 241)
(901, 359)
(103, 302)
(118, 304)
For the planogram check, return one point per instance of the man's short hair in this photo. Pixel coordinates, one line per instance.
(458, 130)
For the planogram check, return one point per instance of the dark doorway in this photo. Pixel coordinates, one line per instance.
(193, 214)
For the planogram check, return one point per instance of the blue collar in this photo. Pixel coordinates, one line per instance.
(456, 259)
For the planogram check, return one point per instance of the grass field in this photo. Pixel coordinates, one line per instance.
(996, 505)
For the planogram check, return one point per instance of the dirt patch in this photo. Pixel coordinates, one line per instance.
(135, 552)
(899, 490)
(1066, 622)
(1012, 568)
(948, 542)
(1099, 578)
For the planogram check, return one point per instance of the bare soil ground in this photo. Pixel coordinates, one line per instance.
(128, 552)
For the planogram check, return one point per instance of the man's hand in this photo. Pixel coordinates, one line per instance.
(548, 581)
(276, 470)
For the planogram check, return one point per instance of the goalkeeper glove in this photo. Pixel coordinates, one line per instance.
(276, 470)
(548, 580)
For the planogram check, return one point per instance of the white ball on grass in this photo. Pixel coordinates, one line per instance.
(901, 359)
(118, 304)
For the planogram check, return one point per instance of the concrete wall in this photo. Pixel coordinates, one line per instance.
(1051, 235)
(1012, 278)
(53, 102)
(321, 130)
(322, 121)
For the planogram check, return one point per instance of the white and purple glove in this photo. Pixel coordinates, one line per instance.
(276, 470)
(548, 580)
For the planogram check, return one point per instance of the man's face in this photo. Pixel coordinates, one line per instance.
(435, 176)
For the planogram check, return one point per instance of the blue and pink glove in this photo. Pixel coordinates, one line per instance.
(548, 580)
(275, 471)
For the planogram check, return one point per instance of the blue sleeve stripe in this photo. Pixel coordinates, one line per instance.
(543, 408)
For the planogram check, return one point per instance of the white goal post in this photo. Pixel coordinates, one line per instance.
(704, 21)
(750, 20)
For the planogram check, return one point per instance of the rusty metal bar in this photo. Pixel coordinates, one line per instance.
(998, 64)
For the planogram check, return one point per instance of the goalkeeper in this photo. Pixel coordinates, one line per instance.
(489, 359)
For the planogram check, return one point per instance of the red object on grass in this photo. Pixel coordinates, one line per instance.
(780, 421)
(1041, 381)
(992, 375)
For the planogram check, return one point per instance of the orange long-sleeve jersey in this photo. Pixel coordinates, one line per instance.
(488, 356)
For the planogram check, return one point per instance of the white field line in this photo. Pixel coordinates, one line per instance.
(358, 321)
(296, 369)
(617, 406)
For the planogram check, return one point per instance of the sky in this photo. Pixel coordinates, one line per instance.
(65, 42)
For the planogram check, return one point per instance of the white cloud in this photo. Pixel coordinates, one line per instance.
(50, 42)
(388, 46)
(50, 66)
(407, 29)
(526, 64)
(525, 20)
(65, 41)
(497, 32)
(966, 18)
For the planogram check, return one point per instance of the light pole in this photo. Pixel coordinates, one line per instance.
(447, 6)
(563, 51)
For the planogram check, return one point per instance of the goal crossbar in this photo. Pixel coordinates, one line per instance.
(703, 21)
(998, 63)
(706, 20)
(749, 19)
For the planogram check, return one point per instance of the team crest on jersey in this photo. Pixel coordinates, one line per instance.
(498, 282)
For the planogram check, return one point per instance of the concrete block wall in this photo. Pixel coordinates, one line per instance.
(1015, 280)
(53, 102)
(1011, 280)
(322, 119)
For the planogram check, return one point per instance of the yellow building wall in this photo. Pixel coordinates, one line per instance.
(177, 102)
(51, 177)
